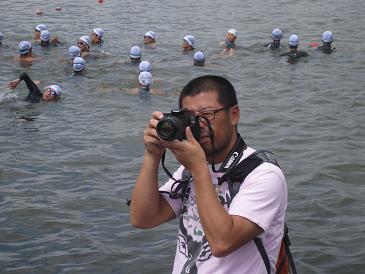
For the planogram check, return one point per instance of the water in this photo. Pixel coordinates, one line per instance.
(68, 167)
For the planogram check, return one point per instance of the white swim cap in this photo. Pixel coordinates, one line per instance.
(145, 79)
(85, 39)
(24, 47)
(40, 27)
(74, 52)
(145, 66)
(150, 34)
(56, 89)
(327, 37)
(234, 32)
(99, 32)
(135, 52)
(276, 34)
(45, 35)
(293, 40)
(190, 39)
(199, 57)
(78, 64)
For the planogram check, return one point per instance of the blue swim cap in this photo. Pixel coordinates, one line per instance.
(327, 37)
(45, 35)
(40, 27)
(145, 79)
(199, 57)
(99, 32)
(293, 40)
(190, 39)
(78, 64)
(24, 47)
(135, 52)
(145, 66)
(74, 52)
(276, 34)
(56, 89)
(85, 39)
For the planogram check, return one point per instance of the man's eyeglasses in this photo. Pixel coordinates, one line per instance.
(210, 114)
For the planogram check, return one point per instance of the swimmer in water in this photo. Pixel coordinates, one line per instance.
(135, 54)
(188, 43)
(294, 53)
(276, 36)
(145, 85)
(84, 45)
(327, 39)
(25, 50)
(50, 93)
(1, 38)
(78, 65)
(46, 40)
(229, 44)
(73, 52)
(97, 36)
(37, 31)
(199, 59)
(149, 39)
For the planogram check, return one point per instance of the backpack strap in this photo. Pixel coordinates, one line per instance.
(263, 253)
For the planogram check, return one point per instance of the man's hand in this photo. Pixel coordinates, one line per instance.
(188, 152)
(152, 142)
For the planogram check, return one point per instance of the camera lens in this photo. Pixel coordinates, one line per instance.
(166, 129)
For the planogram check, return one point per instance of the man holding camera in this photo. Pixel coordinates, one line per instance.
(217, 228)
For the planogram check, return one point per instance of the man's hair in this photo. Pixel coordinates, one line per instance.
(211, 83)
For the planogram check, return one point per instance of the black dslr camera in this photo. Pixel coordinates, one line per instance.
(172, 125)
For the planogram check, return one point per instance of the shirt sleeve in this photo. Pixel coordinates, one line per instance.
(174, 203)
(262, 196)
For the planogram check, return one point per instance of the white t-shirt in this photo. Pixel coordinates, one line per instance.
(262, 199)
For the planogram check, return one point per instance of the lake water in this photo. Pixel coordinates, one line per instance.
(67, 168)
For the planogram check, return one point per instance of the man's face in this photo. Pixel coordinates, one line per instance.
(94, 38)
(186, 46)
(49, 95)
(223, 123)
(82, 45)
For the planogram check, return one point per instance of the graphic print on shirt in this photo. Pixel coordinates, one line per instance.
(192, 241)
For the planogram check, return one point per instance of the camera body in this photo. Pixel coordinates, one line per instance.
(173, 125)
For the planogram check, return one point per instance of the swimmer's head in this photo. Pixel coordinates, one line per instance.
(45, 35)
(74, 52)
(145, 79)
(276, 34)
(144, 66)
(1, 37)
(135, 54)
(231, 35)
(149, 37)
(84, 43)
(25, 47)
(51, 93)
(293, 41)
(327, 37)
(97, 35)
(78, 64)
(199, 58)
(38, 29)
(188, 42)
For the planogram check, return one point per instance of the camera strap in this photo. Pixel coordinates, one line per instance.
(233, 157)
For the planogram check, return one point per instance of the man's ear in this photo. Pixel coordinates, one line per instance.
(235, 115)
